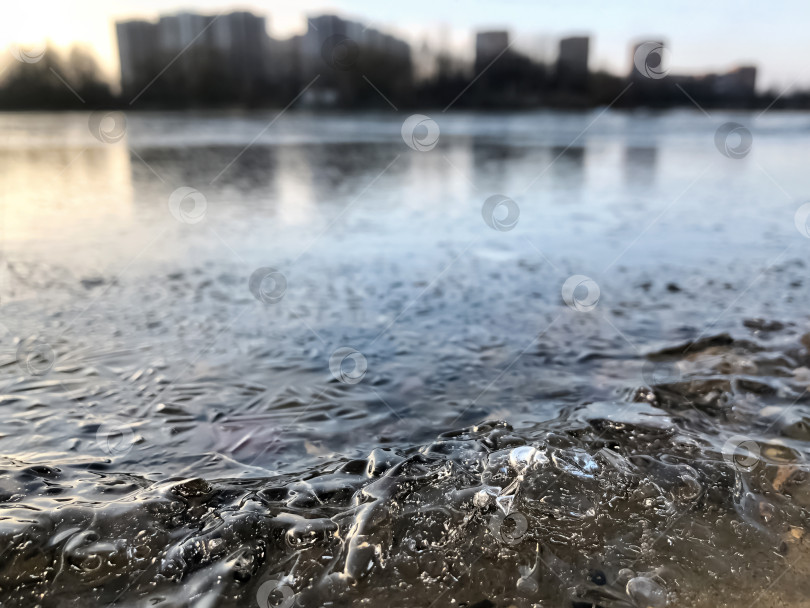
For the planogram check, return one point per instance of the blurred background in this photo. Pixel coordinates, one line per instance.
(524, 55)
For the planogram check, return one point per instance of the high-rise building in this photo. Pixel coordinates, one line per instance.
(490, 46)
(231, 57)
(572, 62)
(366, 40)
(191, 45)
(339, 51)
(241, 39)
(177, 32)
(740, 82)
(137, 41)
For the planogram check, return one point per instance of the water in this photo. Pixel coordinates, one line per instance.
(406, 407)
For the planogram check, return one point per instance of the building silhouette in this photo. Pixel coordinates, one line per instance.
(136, 43)
(196, 48)
(189, 59)
(740, 83)
(231, 58)
(490, 46)
(572, 63)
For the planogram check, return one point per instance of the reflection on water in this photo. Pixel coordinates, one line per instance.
(325, 368)
(568, 168)
(72, 191)
(640, 165)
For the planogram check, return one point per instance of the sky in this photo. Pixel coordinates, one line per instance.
(702, 35)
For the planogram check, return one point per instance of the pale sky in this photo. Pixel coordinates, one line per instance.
(702, 35)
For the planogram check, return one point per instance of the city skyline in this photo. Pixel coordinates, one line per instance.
(230, 58)
(704, 46)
